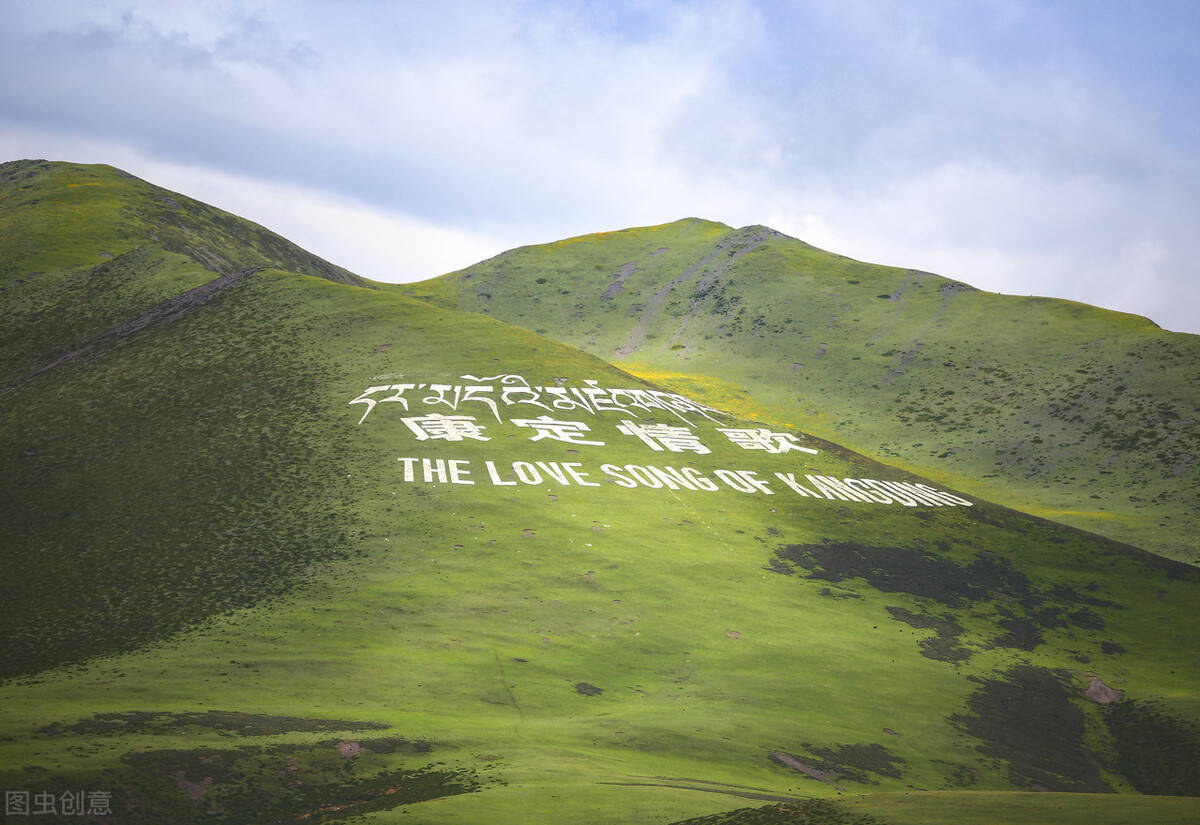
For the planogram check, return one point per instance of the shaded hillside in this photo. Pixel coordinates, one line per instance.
(1079, 414)
(282, 548)
(88, 247)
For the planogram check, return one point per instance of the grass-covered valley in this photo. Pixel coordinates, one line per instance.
(281, 544)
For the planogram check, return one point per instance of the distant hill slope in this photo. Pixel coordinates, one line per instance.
(279, 547)
(1060, 409)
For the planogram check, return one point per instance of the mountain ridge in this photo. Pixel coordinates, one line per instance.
(819, 338)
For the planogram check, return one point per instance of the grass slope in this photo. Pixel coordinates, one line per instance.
(223, 601)
(1063, 410)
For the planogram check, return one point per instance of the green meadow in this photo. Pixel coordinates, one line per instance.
(225, 600)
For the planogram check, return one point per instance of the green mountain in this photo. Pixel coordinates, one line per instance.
(1055, 408)
(283, 545)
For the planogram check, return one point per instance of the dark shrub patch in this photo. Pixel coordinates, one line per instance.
(1157, 752)
(944, 646)
(1022, 633)
(1028, 719)
(806, 812)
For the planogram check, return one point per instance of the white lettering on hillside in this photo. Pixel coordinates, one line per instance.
(436, 412)
(439, 412)
(654, 477)
(512, 390)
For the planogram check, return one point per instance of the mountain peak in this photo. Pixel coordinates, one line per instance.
(103, 201)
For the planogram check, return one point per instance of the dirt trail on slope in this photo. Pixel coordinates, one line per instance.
(740, 241)
(172, 309)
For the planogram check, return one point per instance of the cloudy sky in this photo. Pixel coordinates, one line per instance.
(1025, 147)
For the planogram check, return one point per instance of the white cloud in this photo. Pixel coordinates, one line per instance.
(1103, 242)
(999, 148)
(372, 242)
(376, 243)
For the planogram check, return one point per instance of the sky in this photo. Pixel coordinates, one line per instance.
(1046, 148)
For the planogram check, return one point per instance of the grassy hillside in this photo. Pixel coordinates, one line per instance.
(88, 248)
(1059, 409)
(235, 590)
